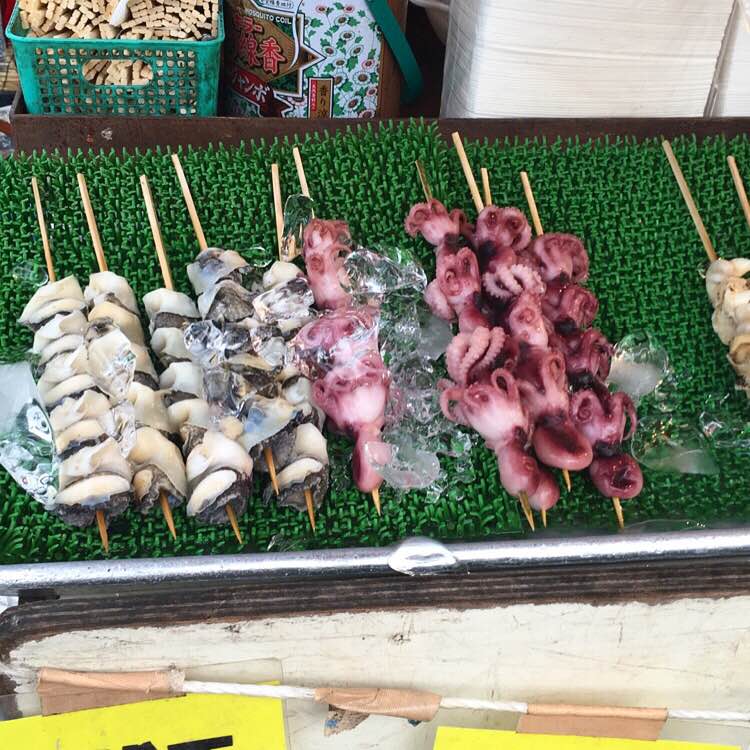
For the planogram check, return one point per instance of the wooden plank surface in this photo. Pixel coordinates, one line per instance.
(40, 132)
(447, 636)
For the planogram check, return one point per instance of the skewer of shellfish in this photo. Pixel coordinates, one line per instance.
(132, 328)
(102, 263)
(203, 245)
(169, 286)
(726, 282)
(52, 276)
(278, 212)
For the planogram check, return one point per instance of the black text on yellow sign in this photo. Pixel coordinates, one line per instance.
(195, 722)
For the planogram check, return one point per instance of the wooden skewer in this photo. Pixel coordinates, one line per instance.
(301, 172)
(103, 533)
(267, 453)
(566, 479)
(423, 180)
(278, 207)
(544, 517)
(376, 500)
(166, 273)
(486, 186)
(100, 520)
(167, 512)
(468, 174)
(102, 263)
(303, 184)
(689, 202)
(188, 196)
(537, 222)
(526, 507)
(91, 221)
(43, 231)
(233, 521)
(618, 512)
(196, 222)
(529, 193)
(740, 187)
(310, 508)
(278, 211)
(153, 220)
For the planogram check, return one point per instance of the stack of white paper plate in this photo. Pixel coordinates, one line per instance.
(616, 58)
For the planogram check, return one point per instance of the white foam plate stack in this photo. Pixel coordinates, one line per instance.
(733, 87)
(568, 58)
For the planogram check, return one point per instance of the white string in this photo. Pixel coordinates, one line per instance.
(283, 692)
(286, 692)
(708, 715)
(478, 705)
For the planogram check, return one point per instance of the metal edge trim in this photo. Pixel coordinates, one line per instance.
(15, 579)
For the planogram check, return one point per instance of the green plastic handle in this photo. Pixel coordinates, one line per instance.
(400, 48)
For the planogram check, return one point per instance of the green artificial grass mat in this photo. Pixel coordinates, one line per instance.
(618, 195)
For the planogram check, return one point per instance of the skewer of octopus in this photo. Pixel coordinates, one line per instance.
(524, 339)
(339, 351)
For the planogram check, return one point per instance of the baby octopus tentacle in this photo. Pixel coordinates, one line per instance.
(450, 402)
(494, 347)
(438, 302)
(464, 352)
(506, 282)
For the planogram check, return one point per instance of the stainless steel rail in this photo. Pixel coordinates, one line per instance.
(414, 556)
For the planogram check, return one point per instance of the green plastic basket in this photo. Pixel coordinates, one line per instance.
(185, 74)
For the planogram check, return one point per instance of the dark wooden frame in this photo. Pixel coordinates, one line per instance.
(38, 132)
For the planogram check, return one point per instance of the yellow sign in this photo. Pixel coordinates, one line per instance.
(453, 738)
(195, 722)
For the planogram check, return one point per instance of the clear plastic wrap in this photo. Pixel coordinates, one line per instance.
(298, 212)
(27, 450)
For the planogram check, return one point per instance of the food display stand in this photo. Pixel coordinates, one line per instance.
(653, 613)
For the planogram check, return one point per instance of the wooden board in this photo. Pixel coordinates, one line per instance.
(36, 132)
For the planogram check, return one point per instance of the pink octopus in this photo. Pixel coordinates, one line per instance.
(544, 388)
(569, 306)
(561, 256)
(493, 408)
(354, 398)
(504, 282)
(471, 355)
(501, 235)
(526, 323)
(339, 351)
(324, 244)
(588, 355)
(603, 418)
(436, 225)
(456, 289)
(336, 338)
